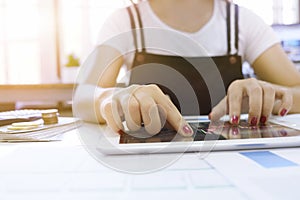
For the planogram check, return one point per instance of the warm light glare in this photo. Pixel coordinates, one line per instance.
(274, 11)
(80, 22)
(28, 45)
(2, 64)
(19, 55)
(21, 20)
(28, 35)
(263, 8)
(24, 68)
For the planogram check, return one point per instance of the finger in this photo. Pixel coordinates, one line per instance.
(255, 95)
(149, 111)
(174, 117)
(150, 116)
(268, 100)
(219, 110)
(235, 97)
(131, 109)
(110, 112)
(172, 114)
(286, 101)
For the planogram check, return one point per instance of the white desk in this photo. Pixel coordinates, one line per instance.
(65, 170)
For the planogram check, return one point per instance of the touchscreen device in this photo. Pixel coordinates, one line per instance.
(211, 131)
(207, 137)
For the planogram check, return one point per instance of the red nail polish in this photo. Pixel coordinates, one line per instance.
(263, 119)
(235, 119)
(253, 121)
(187, 130)
(283, 112)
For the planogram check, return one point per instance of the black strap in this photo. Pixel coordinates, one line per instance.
(134, 28)
(228, 24)
(236, 27)
(140, 27)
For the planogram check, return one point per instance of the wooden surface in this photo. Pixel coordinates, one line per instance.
(36, 92)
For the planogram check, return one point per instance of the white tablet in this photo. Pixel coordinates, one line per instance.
(279, 132)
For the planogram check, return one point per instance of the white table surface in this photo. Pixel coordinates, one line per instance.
(66, 170)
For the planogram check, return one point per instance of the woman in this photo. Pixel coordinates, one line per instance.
(229, 35)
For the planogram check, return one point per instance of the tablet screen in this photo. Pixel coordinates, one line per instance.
(211, 131)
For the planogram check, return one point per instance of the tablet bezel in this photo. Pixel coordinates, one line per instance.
(112, 145)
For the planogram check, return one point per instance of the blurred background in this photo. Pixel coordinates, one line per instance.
(40, 38)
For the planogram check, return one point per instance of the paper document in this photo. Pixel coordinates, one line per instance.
(291, 120)
(40, 133)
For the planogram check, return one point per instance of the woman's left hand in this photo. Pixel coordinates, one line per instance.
(256, 97)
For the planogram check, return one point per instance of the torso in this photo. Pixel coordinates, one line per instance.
(187, 16)
(206, 77)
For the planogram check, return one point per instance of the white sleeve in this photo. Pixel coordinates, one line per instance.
(116, 31)
(255, 35)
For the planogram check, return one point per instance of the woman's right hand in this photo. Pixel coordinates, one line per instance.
(139, 104)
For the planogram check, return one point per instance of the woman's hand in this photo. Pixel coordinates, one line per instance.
(258, 98)
(139, 104)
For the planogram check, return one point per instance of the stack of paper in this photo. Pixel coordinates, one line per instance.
(40, 133)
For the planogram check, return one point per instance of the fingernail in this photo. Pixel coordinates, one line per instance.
(253, 121)
(235, 119)
(187, 130)
(263, 119)
(283, 112)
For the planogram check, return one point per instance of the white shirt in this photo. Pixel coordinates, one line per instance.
(255, 36)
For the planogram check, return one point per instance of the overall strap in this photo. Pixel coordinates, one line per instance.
(229, 28)
(138, 28)
(229, 5)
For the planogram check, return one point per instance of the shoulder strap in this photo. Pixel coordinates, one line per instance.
(135, 28)
(228, 25)
(236, 27)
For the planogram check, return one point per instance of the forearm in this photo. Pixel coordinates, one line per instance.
(296, 100)
(295, 92)
(87, 100)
